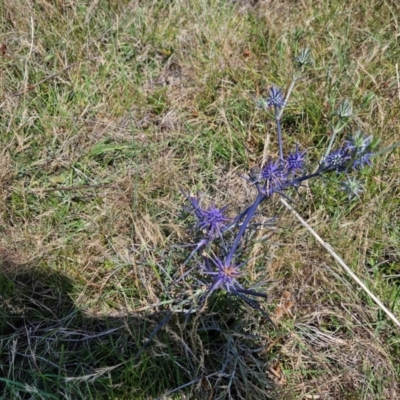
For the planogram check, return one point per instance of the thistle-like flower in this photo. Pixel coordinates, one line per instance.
(362, 160)
(359, 142)
(358, 146)
(224, 275)
(303, 57)
(275, 98)
(345, 109)
(262, 103)
(295, 161)
(352, 187)
(338, 159)
(211, 220)
(273, 174)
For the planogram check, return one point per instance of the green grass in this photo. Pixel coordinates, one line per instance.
(106, 110)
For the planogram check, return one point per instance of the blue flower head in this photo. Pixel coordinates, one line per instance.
(362, 160)
(358, 146)
(273, 174)
(212, 220)
(295, 161)
(359, 142)
(275, 98)
(338, 159)
(224, 277)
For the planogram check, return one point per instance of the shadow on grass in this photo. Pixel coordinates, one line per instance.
(49, 349)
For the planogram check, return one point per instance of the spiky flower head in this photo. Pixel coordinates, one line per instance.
(352, 187)
(338, 159)
(212, 220)
(303, 57)
(262, 103)
(362, 160)
(224, 275)
(359, 141)
(345, 109)
(295, 161)
(358, 146)
(275, 98)
(273, 174)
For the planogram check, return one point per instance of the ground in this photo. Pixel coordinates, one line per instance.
(108, 110)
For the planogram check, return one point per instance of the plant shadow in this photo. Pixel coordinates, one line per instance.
(50, 349)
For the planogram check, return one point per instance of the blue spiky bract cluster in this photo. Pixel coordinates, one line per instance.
(359, 142)
(273, 174)
(359, 146)
(275, 98)
(224, 275)
(338, 159)
(296, 161)
(212, 220)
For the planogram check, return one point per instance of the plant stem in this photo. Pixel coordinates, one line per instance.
(278, 126)
(243, 227)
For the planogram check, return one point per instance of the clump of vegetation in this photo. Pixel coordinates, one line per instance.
(218, 252)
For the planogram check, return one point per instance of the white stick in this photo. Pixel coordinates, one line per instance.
(330, 250)
(29, 54)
